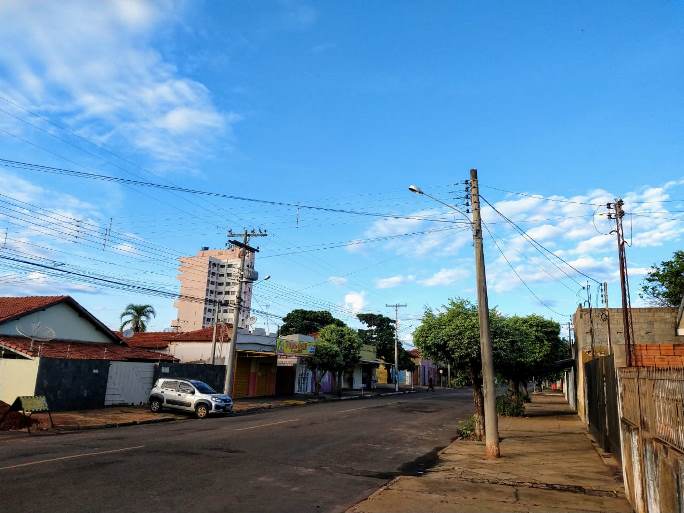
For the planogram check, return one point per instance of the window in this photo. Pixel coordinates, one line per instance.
(185, 388)
(220, 284)
(170, 385)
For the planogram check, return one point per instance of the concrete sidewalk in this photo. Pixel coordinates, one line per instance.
(548, 464)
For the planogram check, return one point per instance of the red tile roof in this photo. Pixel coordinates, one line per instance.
(81, 350)
(149, 339)
(414, 353)
(162, 339)
(205, 334)
(11, 307)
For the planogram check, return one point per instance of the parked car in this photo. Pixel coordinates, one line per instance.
(188, 395)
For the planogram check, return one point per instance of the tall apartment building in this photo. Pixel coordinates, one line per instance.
(212, 275)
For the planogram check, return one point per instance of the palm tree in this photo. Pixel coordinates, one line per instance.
(137, 317)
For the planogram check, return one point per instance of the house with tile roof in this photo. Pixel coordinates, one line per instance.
(53, 346)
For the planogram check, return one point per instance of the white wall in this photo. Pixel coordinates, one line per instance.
(17, 377)
(196, 352)
(61, 318)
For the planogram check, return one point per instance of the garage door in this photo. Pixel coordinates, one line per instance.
(129, 382)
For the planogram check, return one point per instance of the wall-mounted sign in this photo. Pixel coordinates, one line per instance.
(290, 347)
(287, 361)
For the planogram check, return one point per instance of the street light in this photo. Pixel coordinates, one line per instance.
(417, 190)
(491, 421)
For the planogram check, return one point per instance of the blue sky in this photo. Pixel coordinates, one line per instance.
(342, 105)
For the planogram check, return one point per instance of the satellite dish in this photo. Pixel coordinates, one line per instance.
(128, 333)
(36, 332)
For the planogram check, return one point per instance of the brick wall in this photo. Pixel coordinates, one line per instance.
(659, 355)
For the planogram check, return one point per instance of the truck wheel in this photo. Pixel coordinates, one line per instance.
(201, 410)
(155, 405)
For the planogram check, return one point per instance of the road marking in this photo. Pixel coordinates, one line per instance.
(266, 425)
(366, 407)
(73, 456)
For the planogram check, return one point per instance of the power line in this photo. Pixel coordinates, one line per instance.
(541, 302)
(535, 243)
(142, 183)
(538, 196)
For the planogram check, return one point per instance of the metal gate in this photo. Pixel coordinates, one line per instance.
(129, 382)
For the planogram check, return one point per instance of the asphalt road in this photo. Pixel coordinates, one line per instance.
(318, 458)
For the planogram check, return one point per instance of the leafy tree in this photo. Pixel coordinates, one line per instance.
(307, 322)
(664, 283)
(137, 317)
(526, 347)
(326, 358)
(380, 333)
(453, 336)
(348, 342)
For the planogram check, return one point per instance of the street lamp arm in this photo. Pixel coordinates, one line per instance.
(418, 190)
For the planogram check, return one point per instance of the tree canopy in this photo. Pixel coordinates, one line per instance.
(664, 283)
(380, 333)
(527, 346)
(346, 340)
(307, 322)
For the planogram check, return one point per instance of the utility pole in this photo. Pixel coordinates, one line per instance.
(617, 215)
(491, 420)
(591, 318)
(605, 301)
(396, 307)
(217, 307)
(244, 247)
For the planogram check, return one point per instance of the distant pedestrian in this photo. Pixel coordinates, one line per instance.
(431, 385)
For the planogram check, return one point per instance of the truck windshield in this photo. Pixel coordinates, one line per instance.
(202, 387)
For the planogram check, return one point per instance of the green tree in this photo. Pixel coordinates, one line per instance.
(348, 342)
(325, 358)
(453, 336)
(526, 346)
(380, 333)
(307, 322)
(664, 283)
(137, 317)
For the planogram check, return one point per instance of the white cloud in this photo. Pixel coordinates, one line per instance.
(98, 70)
(355, 301)
(393, 281)
(338, 280)
(444, 277)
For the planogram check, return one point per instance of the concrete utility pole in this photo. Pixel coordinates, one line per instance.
(624, 277)
(217, 307)
(230, 360)
(396, 307)
(491, 420)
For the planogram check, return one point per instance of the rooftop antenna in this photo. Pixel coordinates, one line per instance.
(36, 333)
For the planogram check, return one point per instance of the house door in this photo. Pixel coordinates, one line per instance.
(285, 380)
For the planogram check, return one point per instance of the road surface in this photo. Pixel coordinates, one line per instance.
(318, 458)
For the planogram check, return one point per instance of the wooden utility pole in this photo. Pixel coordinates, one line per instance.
(491, 420)
(396, 307)
(624, 278)
(605, 301)
(244, 248)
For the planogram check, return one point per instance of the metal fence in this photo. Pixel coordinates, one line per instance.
(653, 401)
(602, 403)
